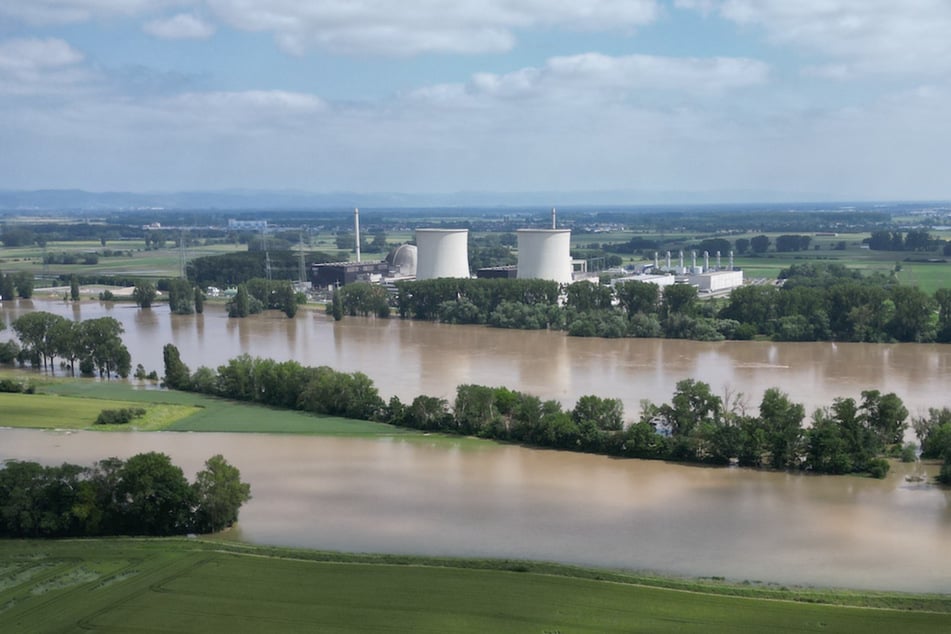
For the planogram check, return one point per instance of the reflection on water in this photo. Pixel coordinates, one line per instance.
(504, 501)
(407, 358)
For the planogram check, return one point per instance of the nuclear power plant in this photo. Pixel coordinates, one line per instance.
(442, 253)
(545, 254)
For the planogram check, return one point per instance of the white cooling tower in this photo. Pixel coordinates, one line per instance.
(545, 254)
(442, 253)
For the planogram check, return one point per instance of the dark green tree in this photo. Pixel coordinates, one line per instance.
(219, 493)
(74, 288)
(176, 376)
(144, 293)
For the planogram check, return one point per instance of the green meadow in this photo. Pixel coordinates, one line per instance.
(180, 585)
(75, 404)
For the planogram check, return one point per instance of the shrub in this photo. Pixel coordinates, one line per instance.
(11, 385)
(119, 416)
(878, 468)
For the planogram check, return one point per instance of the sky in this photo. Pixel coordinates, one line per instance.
(842, 99)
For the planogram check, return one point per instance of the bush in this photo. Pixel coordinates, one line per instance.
(12, 386)
(9, 352)
(878, 468)
(909, 453)
(119, 416)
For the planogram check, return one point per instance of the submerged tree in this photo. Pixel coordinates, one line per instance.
(219, 493)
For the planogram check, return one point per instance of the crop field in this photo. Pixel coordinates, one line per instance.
(75, 404)
(178, 585)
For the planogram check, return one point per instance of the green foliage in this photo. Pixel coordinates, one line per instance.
(219, 494)
(144, 293)
(181, 297)
(144, 495)
(119, 416)
(176, 372)
(362, 298)
(336, 306)
(74, 288)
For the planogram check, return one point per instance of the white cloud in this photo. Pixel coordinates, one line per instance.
(861, 36)
(180, 26)
(581, 78)
(423, 26)
(68, 11)
(34, 66)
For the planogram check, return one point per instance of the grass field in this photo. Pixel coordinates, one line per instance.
(75, 404)
(124, 585)
(62, 412)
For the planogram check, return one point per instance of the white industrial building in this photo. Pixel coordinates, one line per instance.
(660, 280)
(716, 281)
(545, 254)
(442, 253)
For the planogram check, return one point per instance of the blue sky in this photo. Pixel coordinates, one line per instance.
(840, 98)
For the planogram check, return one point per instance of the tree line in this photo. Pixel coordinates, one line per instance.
(816, 302)
(696, 426)
(144, 495)
(94, 344)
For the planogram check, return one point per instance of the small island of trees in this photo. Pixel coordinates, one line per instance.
(144, 495)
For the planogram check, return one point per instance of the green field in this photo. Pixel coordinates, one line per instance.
(60, 412)
(178, 585)
(75, 404)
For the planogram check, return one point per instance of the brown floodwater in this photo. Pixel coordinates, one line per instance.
(409, 497)
(408, 358)
(399, 496)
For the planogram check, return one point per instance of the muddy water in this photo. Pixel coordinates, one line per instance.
(408, 358)
(409, 497)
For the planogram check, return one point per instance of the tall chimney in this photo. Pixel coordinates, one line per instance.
(718, 260)
(706, 261)
(553, 225)
(731, 260)
(356, 229)
(668, 261)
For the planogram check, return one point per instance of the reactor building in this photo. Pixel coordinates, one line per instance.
(442, 253)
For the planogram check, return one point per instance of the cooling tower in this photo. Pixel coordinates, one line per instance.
(545, 254)
(442, 253)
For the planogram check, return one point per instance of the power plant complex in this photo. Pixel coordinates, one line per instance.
(542, 254)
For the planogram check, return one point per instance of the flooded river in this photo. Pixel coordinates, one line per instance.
(404, 496)
(407, 358)
(502, 501)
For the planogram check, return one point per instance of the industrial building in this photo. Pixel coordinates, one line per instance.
(341, 273)
(661, 280)
(545, 254)
(508, 272)
(442, 253)
(715, 281)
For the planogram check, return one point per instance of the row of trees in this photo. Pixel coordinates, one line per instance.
(817, 302)
(144, 495)
(95, 344)
(19, 284)
(260, 294)
(695, 426)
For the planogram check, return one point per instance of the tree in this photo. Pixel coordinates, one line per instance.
(177, 376)
(180, 297)
(885, 416)
(336, 306)
(680, 299)
(240, 304)
(199, 301)
(144, 293)
(36, 332)
(24, 282)
(742, 245)
(638, 297)
(74, 288)
(219, 493)
(606, 414)
(103, 346)
(782, 421)
(7, 287)
(153, 497)
(760, 244)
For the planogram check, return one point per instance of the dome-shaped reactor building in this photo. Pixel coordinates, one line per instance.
(545, 254)
(442, 253)
(403, 259)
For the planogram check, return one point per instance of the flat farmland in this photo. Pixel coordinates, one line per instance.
(124, 585)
